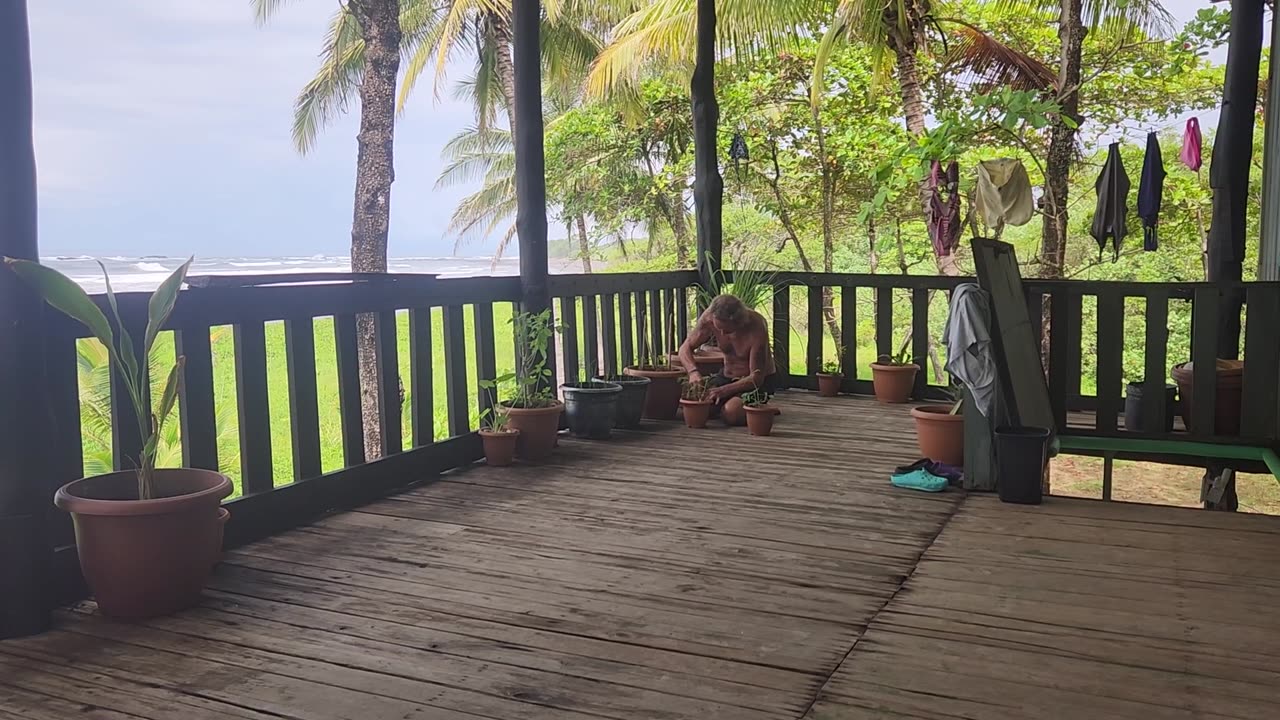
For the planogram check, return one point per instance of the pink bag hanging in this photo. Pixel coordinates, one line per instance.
(1191, 145)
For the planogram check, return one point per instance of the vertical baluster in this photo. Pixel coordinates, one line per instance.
(486, 363)
(569, 339)
(344, 337)
(884, 322)
(196, 413)
(1110, 357)
(1261, 362)
(609, 331)
(813, 349)
(590, 337)
(655, 328)
(920, 339)
(782, 333)
(421, 378)
(669, 320)
(626, 330)
(455, 371)
(682, 300)
(304, 408)
(1059, 337)
(849, 335)
(256, 468)
(389, 404)
(1156, 361)
(1204, 356)
(644, 346)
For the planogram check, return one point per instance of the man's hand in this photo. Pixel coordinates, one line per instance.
(718, 395)
(695, 377)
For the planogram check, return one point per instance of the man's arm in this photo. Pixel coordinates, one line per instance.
(700, 334)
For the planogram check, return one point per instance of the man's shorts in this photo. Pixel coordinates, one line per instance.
(769, 385)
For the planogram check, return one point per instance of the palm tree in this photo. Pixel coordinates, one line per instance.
(376, 26)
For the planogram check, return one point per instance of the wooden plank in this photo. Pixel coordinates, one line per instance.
(1110, 358)
(1035, 312)
(920, 339)
(486, 364)
(590, 337)
(304, 407)
(65, 462)
(1204, 353)
(655, 325)
(626, 330)
(572, 370)
(682, 312)
(644, 348)
(782, 329)
(609, 334)
(849, 335)
(813, 343)
(256, 465)
(389, 392)
(669, 320)
(421, 377)
(126, 439)
(1155, 361)
(1074, 343)
(456, 386)
(196, 412)
(1261, 390)
(1059, 352)
(602, 283)
(349, 407)
(884, 323)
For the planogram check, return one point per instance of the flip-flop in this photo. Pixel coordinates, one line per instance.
(919, 480)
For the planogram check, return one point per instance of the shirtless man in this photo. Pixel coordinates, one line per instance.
(743, 337)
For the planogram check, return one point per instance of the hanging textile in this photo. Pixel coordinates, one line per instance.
(1004, 193)
(1191, 145)
(1151, 192)
(944, 208)
(1109, 219)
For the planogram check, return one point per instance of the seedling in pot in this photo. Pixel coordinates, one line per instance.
(694, 391)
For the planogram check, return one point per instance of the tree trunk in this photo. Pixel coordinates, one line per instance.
(708, 186)
(584, 246)
(501, 26)
(873, 255)
(1062, 140)
(784, 216)
(380, 28)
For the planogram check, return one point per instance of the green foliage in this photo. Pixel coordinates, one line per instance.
(694, 391)
(531, 381)
(755, 398)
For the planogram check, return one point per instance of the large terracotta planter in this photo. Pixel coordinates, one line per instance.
(829, 384)
(1226, 406)
(760, 419)
(499, 446)
(696, 413)
(145, 558)
(893, 383)
(663, 396)
(538, 428)
(940, 434)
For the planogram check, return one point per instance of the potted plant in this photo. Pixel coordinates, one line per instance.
(830, 377)
(630, 402)
(940, 430)
(695, 400)
(893, 377)
(662, 398)
(592, 408)
(496, 433)
(147, 537)
(533, 410)
(759, 414)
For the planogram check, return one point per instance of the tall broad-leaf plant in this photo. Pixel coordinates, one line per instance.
(64, 294)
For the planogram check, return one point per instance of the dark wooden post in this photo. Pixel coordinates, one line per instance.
(1232, 160)
(708, 187)
(24, 548)
(531, 183)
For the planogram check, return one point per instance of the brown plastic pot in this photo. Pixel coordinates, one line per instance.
(499, 446)
(760, 419)
(1226, 406)
(940, 434)
(893, 383)
(662, 399)
(145, 558)
(537, 430)
(829, 384)
(696, 412)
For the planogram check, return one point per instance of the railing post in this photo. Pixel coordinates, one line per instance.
(531, 187)
(24, 427)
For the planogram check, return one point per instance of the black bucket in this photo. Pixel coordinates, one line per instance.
(591, 408)
(1021, 453)
(630, 400)
(1134, 408)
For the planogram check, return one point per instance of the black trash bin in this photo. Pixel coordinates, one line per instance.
(1134, 407)
(591, 408)
(1021, 453)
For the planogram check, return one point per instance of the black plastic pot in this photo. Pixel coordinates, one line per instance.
(1020, 458)
(630, 400)
(591, 408)
(1134, 408)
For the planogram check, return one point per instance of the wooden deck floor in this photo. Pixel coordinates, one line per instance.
(700, 574)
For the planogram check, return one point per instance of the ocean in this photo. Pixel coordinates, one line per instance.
(146, 272)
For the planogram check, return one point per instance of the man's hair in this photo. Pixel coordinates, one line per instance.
(728, 309)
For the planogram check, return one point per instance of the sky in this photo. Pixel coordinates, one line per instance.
(162, 127)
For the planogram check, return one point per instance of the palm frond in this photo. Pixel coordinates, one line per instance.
(264, 10)
(328, 94)
(996, 63)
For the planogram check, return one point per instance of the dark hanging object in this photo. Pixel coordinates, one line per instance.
(944, 208)
(1151, 193)
(1109, 220)
(738, 153)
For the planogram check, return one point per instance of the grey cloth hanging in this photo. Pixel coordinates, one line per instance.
(1110, 219)
(1151, 193)
(970, 354)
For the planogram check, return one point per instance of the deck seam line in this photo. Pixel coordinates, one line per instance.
(946, 521)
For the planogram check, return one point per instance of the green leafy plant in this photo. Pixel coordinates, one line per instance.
(752, 282)
(694, 391)
(955, 392)
(755, 398)
(65, 295)
(832, 366)
(532, 378)
(902, 357)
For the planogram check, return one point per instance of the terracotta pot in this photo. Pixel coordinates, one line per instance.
(663, 396)
(708, 362)
(144, 558)
(1226, 406)
(696, 412)
(829, 384)
(940, 434)
(893, 383)
(537, 430)
(760, 419)
(499, 446)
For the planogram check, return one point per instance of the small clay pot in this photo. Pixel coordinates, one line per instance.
(893, 383)
(662, 399)
(696, 412)
(940, 434)
(537, 428)
(499, 446)
(760, 419)
(829, 384)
